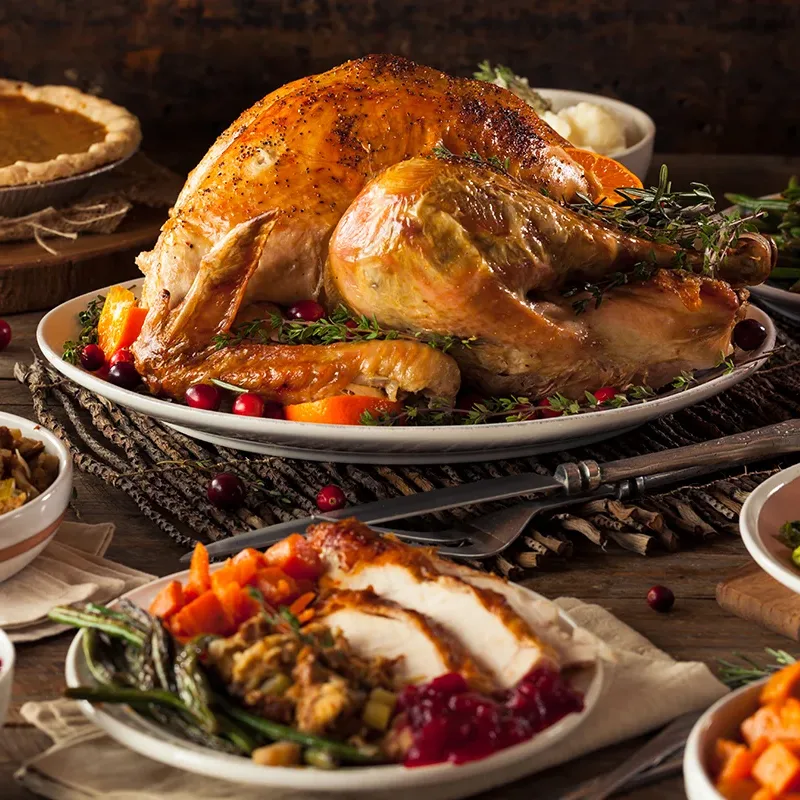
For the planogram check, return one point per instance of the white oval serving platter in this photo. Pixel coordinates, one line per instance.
(769, 505)
(439, 782)
(439, 444)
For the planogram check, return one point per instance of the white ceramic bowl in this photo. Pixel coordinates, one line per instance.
(6, 674)
(774, 502)
(25, 532)
(640, 130)
(722, 720)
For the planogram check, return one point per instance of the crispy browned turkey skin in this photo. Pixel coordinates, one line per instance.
(424, 244)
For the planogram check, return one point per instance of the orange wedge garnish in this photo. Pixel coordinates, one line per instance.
(610, 175)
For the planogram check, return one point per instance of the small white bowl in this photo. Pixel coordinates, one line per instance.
(26, 531)
(6, 674)
(722, 720)
(640, 130)
(769, 505)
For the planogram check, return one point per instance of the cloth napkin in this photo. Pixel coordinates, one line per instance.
(71, 569)
(644, 689)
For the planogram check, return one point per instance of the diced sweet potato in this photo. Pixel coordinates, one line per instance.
(223, 576)
(247, 563)
(203, 615)
(778, 768)
(766, 723)
(744, 789)
(737, 766)
(782, 685)
(764, 794)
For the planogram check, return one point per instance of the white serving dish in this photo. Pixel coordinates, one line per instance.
(640, 130)
(438, 782)
(6, 675)
(354, 444)
(769, 505)
(26, 531)
(722, 720)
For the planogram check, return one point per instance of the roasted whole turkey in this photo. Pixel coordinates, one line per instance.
(334, 188)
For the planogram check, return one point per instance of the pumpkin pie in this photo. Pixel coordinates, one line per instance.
(50, 132)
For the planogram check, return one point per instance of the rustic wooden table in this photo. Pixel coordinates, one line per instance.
(696, 629)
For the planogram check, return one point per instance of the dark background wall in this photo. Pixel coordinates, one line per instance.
(718, 77)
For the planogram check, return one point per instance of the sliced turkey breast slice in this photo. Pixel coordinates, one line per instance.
(374, 626)
(481, 619)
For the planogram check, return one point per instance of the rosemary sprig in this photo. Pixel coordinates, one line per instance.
(735, 675)
(89, 320)
(506, 78)
(339, 326)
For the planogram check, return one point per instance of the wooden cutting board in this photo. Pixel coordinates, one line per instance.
(752, 594)
(31, 279)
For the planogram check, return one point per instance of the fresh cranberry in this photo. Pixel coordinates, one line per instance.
(749, 334)
(605, 394)
(273, 410)
(5, 335)
(226, 490)
(121, 355)
(545, 410)
(124, 375)
(331, 498)
(92, 357)
(306, 311)
(660, 598)
(449, 683)
(248, 405)
(205, 396)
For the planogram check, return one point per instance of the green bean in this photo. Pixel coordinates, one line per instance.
(193, 687)
(277, 732)
(116, 694)
(76, 618)
(321, 759)
(759, 204)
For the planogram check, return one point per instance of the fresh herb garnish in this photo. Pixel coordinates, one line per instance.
(642, 271)
(736, 675)
(506, 78)
(440, 151)
(89, 320)
(339, 326)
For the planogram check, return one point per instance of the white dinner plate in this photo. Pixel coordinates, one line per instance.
(443, 444)
(438, 782)
(769, 505)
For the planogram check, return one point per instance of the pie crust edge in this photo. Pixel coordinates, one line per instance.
(123, 134)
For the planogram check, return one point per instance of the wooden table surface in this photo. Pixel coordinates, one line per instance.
(696, 629)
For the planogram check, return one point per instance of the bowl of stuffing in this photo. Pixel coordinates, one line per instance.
(35, 488)
(589, 121)
(6, 674)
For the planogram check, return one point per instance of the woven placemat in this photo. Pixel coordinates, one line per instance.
(166, 473)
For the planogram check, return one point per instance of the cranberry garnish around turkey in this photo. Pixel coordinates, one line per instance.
(331, 498)
(204, 396)
(545, 410)
(5, 335)
(248, 405)
(604, 394)
(749, 334)
(660, 598)
(226, 490)
(124, 375)
(92, 357)
(306, 311)
(121, 355)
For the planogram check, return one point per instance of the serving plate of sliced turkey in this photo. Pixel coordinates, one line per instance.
(378, 444)
(438, 617)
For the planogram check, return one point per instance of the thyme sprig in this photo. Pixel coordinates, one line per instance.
(339, 326)
(735, 675)
(685, 219)
(89, 320)
(440, 151)
(642, 271)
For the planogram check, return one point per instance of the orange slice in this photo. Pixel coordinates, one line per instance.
(609, 174)
(343, 409)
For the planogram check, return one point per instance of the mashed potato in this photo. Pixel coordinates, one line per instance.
(585, 125)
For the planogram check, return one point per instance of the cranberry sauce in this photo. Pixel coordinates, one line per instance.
(448, 722)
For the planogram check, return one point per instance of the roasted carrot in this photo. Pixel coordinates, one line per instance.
(306, 616)
(224, 575)
(168, 601)
(778, 768)
(782, 685)
(302, 603)
(247, 563)
(199, 574)
(204, 615)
